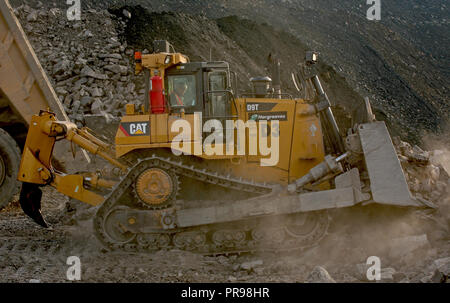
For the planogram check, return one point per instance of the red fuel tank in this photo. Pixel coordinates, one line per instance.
(157, 103)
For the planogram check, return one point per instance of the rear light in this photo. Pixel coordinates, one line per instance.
(138, 57)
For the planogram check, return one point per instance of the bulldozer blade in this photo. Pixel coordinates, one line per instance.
(30, 201)
(387, 180)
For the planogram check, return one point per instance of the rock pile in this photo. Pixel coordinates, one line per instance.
(90, 69)
(427, 178)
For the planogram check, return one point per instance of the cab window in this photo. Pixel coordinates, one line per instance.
(182, 90)
(218, 101)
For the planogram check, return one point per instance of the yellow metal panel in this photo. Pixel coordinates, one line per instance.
(254, 171)
(37, 151)
(153, 131)
(72, 186)
(161, 134)
(156, 62)
(188, 117)
(130, 109)
(122, 137)
(301, 144)
(285, 130)
(29, 168)
(124, 149)
(307, 144)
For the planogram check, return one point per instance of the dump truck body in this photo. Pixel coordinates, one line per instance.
(24, 91)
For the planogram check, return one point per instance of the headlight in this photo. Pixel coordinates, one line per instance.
(168, 59)
(312, 57)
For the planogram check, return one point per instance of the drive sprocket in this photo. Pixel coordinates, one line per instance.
(156, 188)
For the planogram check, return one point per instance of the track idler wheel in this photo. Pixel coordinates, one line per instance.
(115, 230)
(307, 228)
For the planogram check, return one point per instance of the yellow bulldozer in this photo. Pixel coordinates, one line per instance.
(285, 155)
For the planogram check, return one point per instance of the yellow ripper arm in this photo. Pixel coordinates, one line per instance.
(36, 168)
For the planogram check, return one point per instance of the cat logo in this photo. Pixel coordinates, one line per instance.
(135, 128)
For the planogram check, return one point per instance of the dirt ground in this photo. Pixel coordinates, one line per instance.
(31, 253)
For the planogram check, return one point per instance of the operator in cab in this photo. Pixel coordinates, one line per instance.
(181, 94)
(179, 90)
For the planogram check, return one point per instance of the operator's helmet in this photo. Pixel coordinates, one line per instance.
(180, 83)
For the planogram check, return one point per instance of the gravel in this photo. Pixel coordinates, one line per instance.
(88, 66)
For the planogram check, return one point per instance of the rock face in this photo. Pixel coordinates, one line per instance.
(91, 70)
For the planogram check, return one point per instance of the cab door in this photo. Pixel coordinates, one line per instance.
(217, 106)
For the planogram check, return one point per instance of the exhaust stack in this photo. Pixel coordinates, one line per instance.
(275, 66)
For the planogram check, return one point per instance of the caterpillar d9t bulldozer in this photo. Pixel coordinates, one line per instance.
(286, 154)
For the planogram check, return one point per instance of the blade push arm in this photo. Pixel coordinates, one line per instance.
(36, 167)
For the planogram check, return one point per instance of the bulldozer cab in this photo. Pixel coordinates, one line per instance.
(208, 90)
(200, 87)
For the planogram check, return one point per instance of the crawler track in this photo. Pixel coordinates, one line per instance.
(279, 233)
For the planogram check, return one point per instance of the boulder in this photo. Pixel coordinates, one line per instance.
(126, 14)
(61, 67)
(76, 105)
(111, 56)
(33, 16)
(251, 265)
(89, 72)
(387, 275)
(86, 101)
(442, 270)
(96, 92)
(97, 107)
(319, 275)
(117, 69)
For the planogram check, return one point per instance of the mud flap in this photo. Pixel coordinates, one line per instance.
(30, 201)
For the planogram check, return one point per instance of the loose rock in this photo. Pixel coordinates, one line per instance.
(319, 275)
